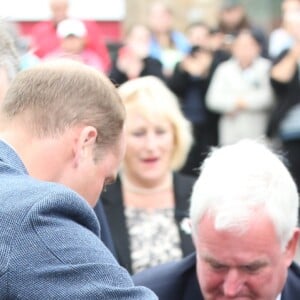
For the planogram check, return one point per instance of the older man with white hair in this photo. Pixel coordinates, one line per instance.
(244, 222)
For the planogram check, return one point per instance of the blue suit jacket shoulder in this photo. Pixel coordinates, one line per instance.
(49, 242)
(291, 290)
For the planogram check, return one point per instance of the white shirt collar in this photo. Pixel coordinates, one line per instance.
(278, 297)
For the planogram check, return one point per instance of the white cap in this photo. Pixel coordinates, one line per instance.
(71, 27)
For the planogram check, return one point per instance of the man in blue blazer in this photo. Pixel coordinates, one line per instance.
(244, 221)
(61, 141)
(9, 68)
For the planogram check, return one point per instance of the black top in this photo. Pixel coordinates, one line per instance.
(287, 96)
(152, 67)
(112, 200)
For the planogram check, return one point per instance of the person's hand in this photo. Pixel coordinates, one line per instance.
(134, 69)
(129, 63)
(198, 64)
(240, 105)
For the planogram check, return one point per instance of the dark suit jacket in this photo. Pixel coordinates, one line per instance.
(112, 201)
(105, 234)
(178, 281)
(287, 96)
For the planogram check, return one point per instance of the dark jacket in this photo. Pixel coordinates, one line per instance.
(112, 200)
(191, 90)
(287, 96)
(105, 233)
(178, 281)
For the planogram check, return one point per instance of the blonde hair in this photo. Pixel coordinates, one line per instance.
(60, 94)
(9, 60)
(150, 95)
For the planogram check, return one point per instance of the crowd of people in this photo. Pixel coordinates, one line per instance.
(107, 168)
(242, 99)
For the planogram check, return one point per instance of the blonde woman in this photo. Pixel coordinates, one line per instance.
(147, 207)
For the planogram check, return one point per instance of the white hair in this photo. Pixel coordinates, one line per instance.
(238, 179)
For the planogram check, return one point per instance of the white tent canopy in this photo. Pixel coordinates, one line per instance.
(34, 10)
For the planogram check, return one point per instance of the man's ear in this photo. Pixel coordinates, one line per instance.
(85, 142)
(193, 233)
(291, 248)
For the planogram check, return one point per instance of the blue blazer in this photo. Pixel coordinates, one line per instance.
(49, 242)
(178, 281)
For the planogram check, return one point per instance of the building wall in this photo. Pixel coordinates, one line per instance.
(185, 11)
(263, 12)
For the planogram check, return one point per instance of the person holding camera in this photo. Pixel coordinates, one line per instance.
(133, 59)
(190, 82)
(240, 91)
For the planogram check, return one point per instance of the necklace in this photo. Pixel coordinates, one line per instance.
(130, 187)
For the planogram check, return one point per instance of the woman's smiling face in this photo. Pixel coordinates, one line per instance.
(150, 146)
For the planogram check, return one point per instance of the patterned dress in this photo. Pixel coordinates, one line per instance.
(154, 237)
